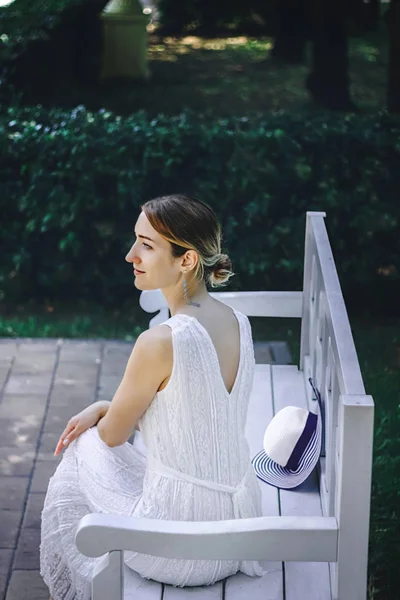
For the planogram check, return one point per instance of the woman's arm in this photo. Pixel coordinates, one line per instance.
(149, 364)
(80, 422)
(103, 406)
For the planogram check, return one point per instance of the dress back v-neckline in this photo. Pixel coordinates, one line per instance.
(215, 353)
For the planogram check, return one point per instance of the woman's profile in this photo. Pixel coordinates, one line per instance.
(186, 387)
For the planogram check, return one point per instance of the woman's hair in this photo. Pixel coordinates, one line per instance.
(189, 224)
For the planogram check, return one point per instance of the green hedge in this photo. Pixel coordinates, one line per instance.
(24, 21)
(45, 40)
(71, 184)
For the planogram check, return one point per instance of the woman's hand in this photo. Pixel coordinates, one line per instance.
(81, 422)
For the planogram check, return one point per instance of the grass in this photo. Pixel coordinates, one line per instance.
(378, 347)
(223, 76)
(82, 321)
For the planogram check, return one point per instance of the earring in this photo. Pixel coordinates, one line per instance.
(185, 293)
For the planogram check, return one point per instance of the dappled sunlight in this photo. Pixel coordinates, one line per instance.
(25, 422)
(183, 50)
(198, 43)
(14, 458)
(19, 431)
(160, 52)
(6, 2)
(172, 46)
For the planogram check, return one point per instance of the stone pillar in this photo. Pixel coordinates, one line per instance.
(124, 40)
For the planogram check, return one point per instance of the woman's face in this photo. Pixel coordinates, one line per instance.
(151, 257)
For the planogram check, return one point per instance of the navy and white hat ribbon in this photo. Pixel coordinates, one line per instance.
(292, 445)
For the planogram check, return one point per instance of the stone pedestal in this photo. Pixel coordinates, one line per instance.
(125, 40)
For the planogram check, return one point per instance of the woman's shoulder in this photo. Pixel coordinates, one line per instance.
(156, 339)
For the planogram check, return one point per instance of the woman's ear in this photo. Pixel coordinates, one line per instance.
(190, 260)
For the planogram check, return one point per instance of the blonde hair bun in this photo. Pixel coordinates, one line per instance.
(221, 271)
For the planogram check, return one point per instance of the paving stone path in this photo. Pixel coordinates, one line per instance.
(43, 382)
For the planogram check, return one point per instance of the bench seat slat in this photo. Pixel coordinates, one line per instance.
(206, 592)
(302, 579)
(241, 587)
(137, 587)
(268, 587)
(259, 415)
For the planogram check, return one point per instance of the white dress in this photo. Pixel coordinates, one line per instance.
(196, 467)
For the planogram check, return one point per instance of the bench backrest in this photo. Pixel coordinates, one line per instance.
(328, 355)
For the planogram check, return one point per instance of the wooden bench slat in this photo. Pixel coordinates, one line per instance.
(241, 587)
(137, 587)
(342, 340)
(253, 304)
(259, 415)
(207, 592)
(302, 579)
(263, 304)
(268, 587)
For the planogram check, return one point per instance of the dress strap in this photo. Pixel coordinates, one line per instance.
(174, 321)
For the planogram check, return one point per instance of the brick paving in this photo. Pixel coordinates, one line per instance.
(43, 382)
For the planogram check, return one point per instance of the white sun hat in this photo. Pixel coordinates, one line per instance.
(292, 445)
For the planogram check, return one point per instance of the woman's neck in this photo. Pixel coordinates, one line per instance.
(197, 296)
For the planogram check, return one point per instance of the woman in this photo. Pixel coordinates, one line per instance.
(186, 386)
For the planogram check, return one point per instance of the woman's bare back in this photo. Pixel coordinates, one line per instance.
(220, 323)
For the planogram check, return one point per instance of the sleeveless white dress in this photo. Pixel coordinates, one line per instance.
(196, 467)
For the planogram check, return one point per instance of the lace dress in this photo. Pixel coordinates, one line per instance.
(196, 466)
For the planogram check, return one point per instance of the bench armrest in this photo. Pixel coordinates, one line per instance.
(262, 538)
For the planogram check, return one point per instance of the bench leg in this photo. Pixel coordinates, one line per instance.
(108, 577)
(349, 581)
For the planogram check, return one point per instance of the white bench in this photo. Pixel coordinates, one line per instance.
(315, 537)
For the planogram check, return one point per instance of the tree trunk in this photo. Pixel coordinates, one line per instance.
(372, 13)
(328, 81)
(392, 18)
(364, 15)
(292, 31)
